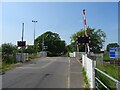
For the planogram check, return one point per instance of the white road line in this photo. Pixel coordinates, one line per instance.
(46, 65)
(78, 61)
(35, 67)
(68, 79)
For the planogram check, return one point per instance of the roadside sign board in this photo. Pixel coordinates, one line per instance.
(115, 52)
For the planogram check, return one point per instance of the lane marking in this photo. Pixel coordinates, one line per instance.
(46, 65)
(68, 79)
(35, 67)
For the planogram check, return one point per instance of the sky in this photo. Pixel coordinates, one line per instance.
(64, 18)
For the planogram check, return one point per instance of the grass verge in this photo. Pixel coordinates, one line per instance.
(112, 70)
(5, 66)
(85, 79)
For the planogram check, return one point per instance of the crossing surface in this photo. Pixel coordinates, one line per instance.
(48, 72)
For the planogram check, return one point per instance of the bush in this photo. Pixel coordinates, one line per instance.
(8, 53)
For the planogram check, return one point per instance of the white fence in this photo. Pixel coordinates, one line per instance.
(72, 54)
(88, 65)
(78, 55)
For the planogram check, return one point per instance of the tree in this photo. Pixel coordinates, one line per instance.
(55, 46)
(97, 38)
(0, 49)
(8, 52)
(29, 49)
(71, 47)
(111, 45)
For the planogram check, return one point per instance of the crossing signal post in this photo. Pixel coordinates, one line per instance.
(22, 43)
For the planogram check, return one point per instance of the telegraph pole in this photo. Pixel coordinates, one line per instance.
(22, 31)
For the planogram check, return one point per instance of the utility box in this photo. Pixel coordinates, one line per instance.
(21, 57)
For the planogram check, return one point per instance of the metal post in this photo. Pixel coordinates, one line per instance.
(43, 45)
(22, 41)
(93, 73)
(34, 33)
(22, 30)
(77, 48)
(117, 86)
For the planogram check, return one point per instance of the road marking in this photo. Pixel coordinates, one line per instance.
(35, 67)
(78, 61)
(68, 79)
(46, 65)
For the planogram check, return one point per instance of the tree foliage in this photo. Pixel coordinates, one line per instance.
(111, 45)
(55, 46)
(8, 49)
(8, 52)
(29, 49)
(97, 38)
(0, 49)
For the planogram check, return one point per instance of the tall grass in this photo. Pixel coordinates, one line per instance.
(85, 79)
(111, 70)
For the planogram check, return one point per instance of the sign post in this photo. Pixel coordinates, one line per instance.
(22, 43)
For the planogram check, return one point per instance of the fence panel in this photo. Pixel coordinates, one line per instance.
(90, 68)
(88, 64)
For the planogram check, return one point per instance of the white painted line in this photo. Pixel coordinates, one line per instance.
(46, 65)
(35, 67)
(78, 61)
(68, 79)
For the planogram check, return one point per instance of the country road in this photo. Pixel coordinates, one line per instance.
(48, 72)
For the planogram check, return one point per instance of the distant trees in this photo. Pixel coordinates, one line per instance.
(111, 45)
(97, 38)
(54, 45)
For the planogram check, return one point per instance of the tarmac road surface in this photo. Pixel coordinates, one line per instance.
(48, 72)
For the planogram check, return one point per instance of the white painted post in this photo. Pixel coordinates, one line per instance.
(94, 66)
(83, 61)
(117, 86)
